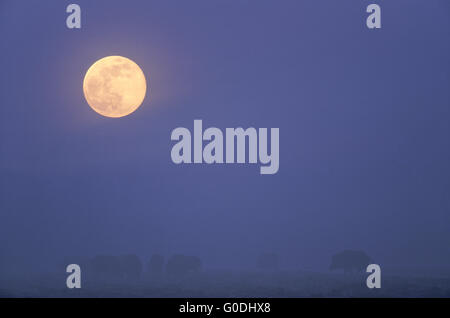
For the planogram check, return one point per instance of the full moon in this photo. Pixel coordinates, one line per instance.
(114, 86)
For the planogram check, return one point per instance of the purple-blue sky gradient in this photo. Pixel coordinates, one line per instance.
(363, 115)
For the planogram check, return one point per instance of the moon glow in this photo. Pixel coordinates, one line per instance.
(114, 86)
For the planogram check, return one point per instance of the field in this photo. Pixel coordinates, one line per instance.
(227, 283)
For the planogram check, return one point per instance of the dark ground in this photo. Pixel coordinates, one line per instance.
(221, 283)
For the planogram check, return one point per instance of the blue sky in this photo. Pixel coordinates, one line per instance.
(363, 117)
